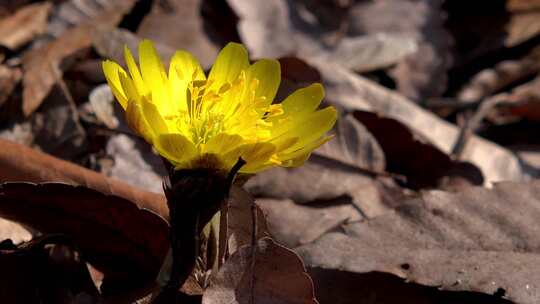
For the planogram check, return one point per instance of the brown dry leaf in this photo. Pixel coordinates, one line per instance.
(407, 153)
(279, 277)
(42, 65)
(293, 224)
(20, 163)
(135, 163)
(423, 73)
(282, 28)
(23, 26)
(491, 80)
(113, 233)
(521, 27)
(523, 102)
(477, 240)
(45, 270)
(179, 25)
(240, 219)
(354, 92)
(14, 231)
(9, 78)
(75, 12)
(109, 43)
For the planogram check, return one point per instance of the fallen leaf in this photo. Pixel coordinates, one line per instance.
(240, 222)
(9, 79)
(421, 74)
(354, 145)
(293, 224)
(423, 165)
(57, 128)
(20, 163)
(478, 240)
(42, 65)
(72, 13)
(179, 25)
(279, 277)
(353, 92)
(491, 80)
(45, 270)
(23, 26)
(109, 43)
(135, 163)
(283, 28)
(113, 233)
(101, 102)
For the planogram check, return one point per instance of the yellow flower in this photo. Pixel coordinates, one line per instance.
(191, 119)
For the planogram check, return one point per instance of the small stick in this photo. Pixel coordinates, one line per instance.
(253, 249)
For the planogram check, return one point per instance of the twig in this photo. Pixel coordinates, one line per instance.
(473, 123)
(253, 249)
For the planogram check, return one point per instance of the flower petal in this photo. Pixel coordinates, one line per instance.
(112, 71)
(143, 117)
(268, 75)
(155, 78)
(303, 100)
(223, 143)
(229, 63)
(255, 155)
(184, 65)
(134, 72)
(309, 128)
(181, 70)
(298, 157)
(176, 148)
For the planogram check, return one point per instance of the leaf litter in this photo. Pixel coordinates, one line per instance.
(426, 193)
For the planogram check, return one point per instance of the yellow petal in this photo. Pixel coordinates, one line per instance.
(129, 88)
(186, 66)
(181, 70)
(298, 157)
(303, 100)
(268, 75)
(136, 121)
(112, 71)
(134, 72)
(255, 155)
(151, 65)
(143, 117)
(155, 78)
(310, 127)
(223, 143)
(230, 61)
(176, 147)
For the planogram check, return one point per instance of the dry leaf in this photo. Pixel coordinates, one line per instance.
(281, 28)
(240, 222)
(135, 163)
(423, 165)
(113, 233)
(23, 26)
(293, 224)
(9, 79)
(179, 25)
(45, 270)
(42, 65)
(476, 240)
(20, 163)
(279, 277)
(76, 12)
(109, 43)
(354, 92)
